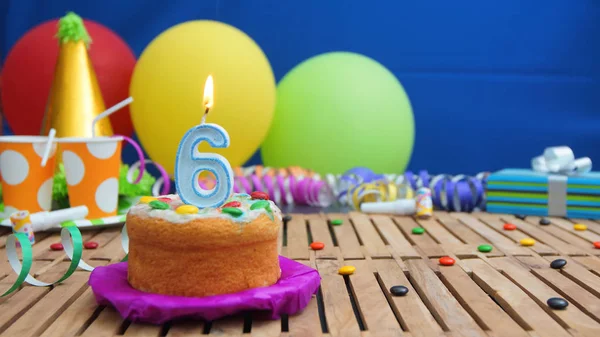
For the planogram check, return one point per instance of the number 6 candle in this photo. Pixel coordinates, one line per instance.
(190, 162)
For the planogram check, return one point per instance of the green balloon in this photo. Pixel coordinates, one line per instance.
(339, 110)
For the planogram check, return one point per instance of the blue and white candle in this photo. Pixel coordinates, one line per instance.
(190, 162)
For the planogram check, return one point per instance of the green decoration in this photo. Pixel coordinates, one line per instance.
(339, 110)
(144, 187)
(72, 29)
(60, 193)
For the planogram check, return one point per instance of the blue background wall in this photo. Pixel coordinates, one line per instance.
(491, 83)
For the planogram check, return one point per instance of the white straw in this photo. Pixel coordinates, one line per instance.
(51, 135)
(109, 112)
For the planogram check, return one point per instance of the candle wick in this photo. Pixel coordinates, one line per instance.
(204, 116)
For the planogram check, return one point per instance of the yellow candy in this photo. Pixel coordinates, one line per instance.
(579, 227)
(347, 270)
(147, 199)
(527, 242)
(186, 209)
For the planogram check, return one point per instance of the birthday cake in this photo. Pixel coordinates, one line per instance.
(178, 249)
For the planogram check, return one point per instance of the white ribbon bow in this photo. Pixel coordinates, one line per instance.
(560, 159)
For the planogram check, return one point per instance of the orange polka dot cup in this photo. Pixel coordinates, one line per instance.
(26, 185)
(92, 167)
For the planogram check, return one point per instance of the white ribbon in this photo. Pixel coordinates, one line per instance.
(561, 160)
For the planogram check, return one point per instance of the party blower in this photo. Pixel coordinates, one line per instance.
(24, 222)
(399, 207)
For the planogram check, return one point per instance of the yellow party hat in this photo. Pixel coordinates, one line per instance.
(75, 98)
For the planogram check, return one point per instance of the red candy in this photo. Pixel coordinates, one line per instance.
(163, 199)
(446, 261)
(57, 246)
(90, 245)
(509, 227)
(259, 195)
(317, 245)
(597, 244)
(232, 204)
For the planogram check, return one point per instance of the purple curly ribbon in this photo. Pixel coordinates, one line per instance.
(456, 194)
(286, 190)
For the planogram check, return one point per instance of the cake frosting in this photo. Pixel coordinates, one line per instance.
(248, 215)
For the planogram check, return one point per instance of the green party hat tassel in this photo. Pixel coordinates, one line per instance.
(71, 28)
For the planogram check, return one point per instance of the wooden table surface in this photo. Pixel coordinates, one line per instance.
(500, 293)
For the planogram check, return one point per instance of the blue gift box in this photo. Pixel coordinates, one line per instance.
(528, 192)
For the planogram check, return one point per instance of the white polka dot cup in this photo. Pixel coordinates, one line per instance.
(92, 167)
(26, 185)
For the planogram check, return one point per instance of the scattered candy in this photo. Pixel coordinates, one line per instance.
(287, 218)
(418, 230)
(57, 246)
(484, 248)
(347, 270)
(557, 303)
(520, 216)
(446, 261)
(579, 227)
(558, 264)
(527, 242)
(259, 195)
(261, 204)
(90, 245)
(597, 244)
(544, 221)
(164, 199)
(233, 211)
(509, 226)
(159, 205)
(232, 204)
(399, 290)
(336, 222)
(187, 209)
(147, 199)
(317, 245)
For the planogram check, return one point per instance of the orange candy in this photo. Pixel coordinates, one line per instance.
(597, 244)
(446, 261)
(317, 245)
(509, 227)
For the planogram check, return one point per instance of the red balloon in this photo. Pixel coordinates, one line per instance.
(29, 69)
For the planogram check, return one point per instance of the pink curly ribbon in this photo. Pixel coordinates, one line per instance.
(163, 180)
(140, 154)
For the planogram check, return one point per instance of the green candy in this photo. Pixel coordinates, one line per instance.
(484, 248)
(156, 204)
(418, 230)
(261, 204)
(233, 211)
(336, 222)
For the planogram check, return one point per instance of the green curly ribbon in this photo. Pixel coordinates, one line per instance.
(72, 243)
(11, 242)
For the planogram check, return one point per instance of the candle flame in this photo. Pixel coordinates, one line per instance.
(208, 93)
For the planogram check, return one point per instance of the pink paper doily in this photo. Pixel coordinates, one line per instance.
(288, 296)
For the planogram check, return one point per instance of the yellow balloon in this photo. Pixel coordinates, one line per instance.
(168, 86)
